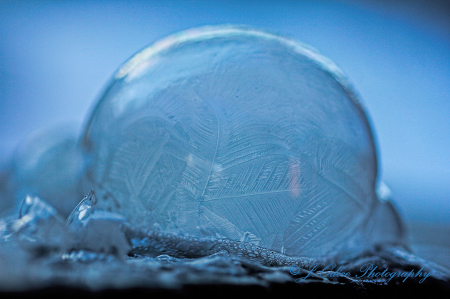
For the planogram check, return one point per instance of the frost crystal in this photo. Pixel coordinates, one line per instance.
(97, 230)
(39, 228)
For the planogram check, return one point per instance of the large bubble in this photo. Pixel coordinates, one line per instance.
(232, 132)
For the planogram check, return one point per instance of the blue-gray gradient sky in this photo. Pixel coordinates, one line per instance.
(56, 58)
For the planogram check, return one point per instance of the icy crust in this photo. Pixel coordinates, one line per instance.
(227, 132)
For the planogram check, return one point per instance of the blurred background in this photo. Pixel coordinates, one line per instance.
(56, 58)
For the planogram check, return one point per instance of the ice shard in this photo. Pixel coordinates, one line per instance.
(97, 230)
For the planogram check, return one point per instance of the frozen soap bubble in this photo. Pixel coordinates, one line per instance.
(231, 132)
(47, 164)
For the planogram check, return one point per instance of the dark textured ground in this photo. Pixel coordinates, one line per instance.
(223, 276)
(255, 281)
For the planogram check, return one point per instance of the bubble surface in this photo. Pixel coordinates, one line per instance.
(231, 132)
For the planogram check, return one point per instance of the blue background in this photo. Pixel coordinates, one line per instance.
(56, 57)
